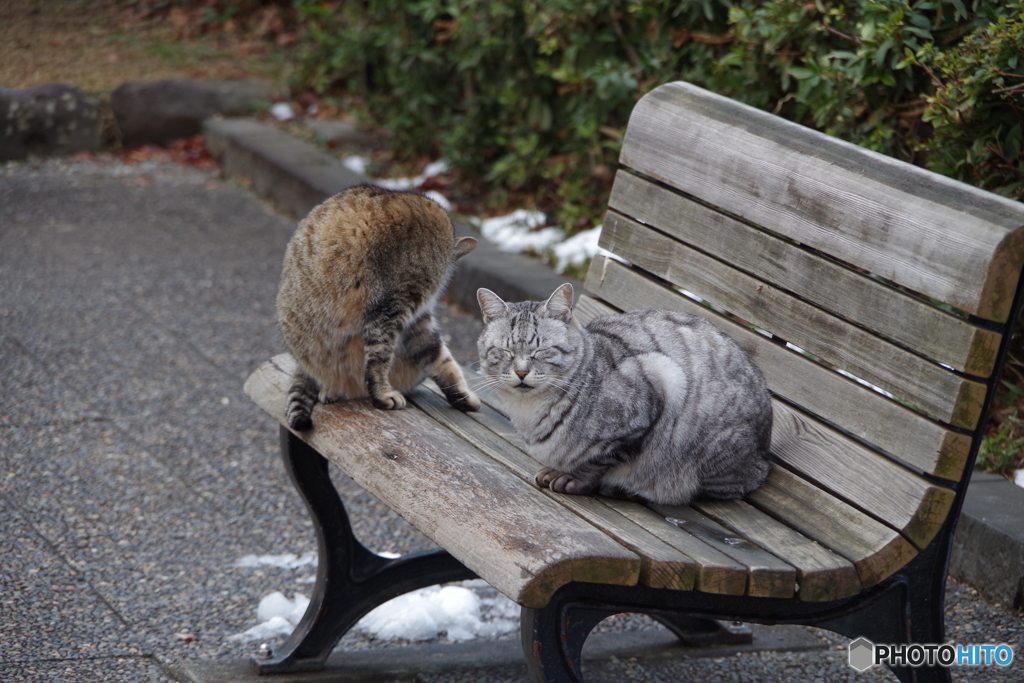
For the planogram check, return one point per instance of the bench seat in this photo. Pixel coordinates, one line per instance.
(465, 481)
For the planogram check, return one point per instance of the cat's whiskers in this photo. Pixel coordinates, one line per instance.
(566, 384)
(487, 384)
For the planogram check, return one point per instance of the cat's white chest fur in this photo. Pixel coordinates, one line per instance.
(527, 414)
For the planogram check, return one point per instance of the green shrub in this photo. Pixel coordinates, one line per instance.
(978, 106)
(530, 95)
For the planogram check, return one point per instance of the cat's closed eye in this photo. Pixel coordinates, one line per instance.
(553, 356)
(496, 355)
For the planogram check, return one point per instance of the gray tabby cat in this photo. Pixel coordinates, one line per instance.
(652, 405)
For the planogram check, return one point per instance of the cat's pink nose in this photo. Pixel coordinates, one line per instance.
(522, 373)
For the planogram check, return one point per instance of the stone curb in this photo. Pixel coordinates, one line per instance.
(54, 119)
(988, 547)
(296, 176)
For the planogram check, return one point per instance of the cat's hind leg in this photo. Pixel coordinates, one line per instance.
(384, 322)
(423, 346)
(302, 396)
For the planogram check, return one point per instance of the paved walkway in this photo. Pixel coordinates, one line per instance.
(134, 473)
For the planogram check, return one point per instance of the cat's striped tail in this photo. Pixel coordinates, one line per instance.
(302, 397)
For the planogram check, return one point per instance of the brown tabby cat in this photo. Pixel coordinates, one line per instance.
(360, 279)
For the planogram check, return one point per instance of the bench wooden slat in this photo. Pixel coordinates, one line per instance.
(921, 383)
(907, 502)
(821, 574)
(893, 314)
(488, 518)
(662, 566)
(766, 574)
(853, 407)
(933, 235)
(717, 572)
(875, 550)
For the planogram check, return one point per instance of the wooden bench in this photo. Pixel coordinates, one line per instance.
(876, 297)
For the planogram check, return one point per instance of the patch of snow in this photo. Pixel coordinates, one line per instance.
(578, 248)
(516, 232)
(356, 164)
(277, 605)
(282, 111)
(284, 561)
(277, 615)
(435, 168)
(439, 198)
(1018, 477)
(278, 627)
(455, 611)
(460, 612)
(432, 169)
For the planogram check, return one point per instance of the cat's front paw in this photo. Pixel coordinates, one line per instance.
(389, 400)
(561, 482)
(466, 402)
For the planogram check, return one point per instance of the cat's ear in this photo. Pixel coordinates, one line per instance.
(491, 305)
(559, 304)
(463, 246)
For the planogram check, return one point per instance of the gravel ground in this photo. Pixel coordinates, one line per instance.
(134, 473)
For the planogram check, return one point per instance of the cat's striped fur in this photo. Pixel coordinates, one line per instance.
(358, 286)
(654, 405)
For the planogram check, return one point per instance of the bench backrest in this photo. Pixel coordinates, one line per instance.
(873, 294)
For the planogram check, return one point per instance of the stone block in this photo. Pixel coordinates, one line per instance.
(47, 120)
(988, 547)
(160, 111)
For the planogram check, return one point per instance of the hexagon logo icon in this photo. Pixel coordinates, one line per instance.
(862, 654)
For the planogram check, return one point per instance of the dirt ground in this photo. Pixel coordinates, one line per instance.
(99, 44)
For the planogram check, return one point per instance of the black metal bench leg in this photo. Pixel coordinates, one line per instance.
(350, 580)
(553, 639)
(910, 611)
(700, 632)
(926, 604)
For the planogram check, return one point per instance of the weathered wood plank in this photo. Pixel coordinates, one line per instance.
(661, 565)
(851, 406)
(903, 500)
(821, 574)
(931, 234)
(875, 550)
(766, 574)
(921, 383)
(893, 314)
(507, 531)
(587, 307)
